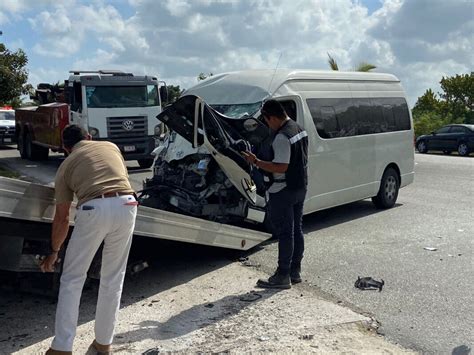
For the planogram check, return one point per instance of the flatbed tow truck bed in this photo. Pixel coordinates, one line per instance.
(27, 210)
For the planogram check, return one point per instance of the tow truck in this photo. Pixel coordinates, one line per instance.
(27, 211)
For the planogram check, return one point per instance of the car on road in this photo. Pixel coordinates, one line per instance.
(450, 138)
(7, 125)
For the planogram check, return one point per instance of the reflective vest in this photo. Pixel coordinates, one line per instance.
(296, 177)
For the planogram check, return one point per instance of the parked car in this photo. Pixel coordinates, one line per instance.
(7, 125)
(447, 139)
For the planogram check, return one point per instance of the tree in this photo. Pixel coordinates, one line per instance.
(363, 66)
(332, 63)
(203, 76)
(174, 92)
(428, 102)
(13, 76)
(458, 95)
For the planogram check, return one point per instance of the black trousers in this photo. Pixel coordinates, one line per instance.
(286, 215)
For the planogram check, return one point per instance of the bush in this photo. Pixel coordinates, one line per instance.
(431, 121)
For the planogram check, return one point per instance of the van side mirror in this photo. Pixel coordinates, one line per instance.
(433, 133)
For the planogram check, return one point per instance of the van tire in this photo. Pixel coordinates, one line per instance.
(388, 191)
(33, 151)
(145, 163)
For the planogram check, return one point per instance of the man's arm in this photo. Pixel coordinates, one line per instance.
(58, 236)
(269, 166)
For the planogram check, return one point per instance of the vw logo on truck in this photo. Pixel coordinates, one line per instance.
(127, 125)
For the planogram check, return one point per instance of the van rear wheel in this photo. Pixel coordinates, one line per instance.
(388, 191)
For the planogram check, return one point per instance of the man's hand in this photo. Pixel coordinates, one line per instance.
(48, 264)
(249, 156)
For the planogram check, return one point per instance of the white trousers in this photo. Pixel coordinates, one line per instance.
(109, 220)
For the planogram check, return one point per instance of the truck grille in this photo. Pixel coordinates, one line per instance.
(127, 127)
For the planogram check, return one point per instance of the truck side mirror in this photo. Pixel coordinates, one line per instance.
(163, 94)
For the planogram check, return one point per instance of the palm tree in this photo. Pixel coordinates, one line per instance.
(363, 66)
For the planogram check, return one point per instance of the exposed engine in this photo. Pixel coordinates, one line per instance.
(195, 186)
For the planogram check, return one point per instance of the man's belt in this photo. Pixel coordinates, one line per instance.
(114, 194)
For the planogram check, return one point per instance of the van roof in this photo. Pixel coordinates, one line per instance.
(251, 86)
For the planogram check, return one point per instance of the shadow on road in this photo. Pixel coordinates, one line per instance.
(341, 214)
(30, 318)
(196, 317)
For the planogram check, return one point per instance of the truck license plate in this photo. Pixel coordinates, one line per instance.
(128, 148)
(7, 140)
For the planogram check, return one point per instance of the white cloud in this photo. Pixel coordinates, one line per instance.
(419, 41)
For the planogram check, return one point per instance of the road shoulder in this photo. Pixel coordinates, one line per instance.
(221, 311)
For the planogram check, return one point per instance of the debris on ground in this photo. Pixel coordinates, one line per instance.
(368, 283)
(430, 248)
(246, 262)
(250, 297)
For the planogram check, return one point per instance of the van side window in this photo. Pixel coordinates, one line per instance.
(346, 117)
(290, 108)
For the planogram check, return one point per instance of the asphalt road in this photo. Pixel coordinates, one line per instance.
(427, 302)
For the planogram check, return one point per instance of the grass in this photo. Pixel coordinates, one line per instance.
(8, 173)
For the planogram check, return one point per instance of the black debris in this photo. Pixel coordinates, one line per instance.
(368, 283)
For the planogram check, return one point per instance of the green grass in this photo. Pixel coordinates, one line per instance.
(8, 173)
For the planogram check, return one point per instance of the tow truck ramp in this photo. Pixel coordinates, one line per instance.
(27, 203)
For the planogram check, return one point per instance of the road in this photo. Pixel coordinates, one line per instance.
(427, 301)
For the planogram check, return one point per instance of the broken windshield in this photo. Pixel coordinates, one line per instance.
(237, 110)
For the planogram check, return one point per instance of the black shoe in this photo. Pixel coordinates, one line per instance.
(278, 280)
(295, 276)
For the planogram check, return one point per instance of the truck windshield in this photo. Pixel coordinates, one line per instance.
(122, 96)
(238, 110)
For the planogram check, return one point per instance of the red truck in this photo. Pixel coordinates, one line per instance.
(39, 129)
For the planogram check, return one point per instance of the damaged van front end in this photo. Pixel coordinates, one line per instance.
(199, 169)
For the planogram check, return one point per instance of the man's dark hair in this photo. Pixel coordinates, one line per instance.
(73, 134)
(273, 108)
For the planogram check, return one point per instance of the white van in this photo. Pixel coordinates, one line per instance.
(360, 141)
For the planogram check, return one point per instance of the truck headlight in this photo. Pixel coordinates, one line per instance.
(94, 132)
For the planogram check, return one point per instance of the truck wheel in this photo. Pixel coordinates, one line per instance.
(145, 163)
(388, 191)
(21, 146)
(33, 151)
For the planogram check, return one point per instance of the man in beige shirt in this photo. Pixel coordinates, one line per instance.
(106, 210)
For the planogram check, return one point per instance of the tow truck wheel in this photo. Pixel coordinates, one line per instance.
(145, 163)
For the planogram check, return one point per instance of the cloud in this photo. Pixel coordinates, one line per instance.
(419, 41)
(69, 26)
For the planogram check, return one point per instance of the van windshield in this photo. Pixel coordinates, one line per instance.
(122, 96)
(237, 110)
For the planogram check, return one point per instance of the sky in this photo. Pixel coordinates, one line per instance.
(419, 41)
